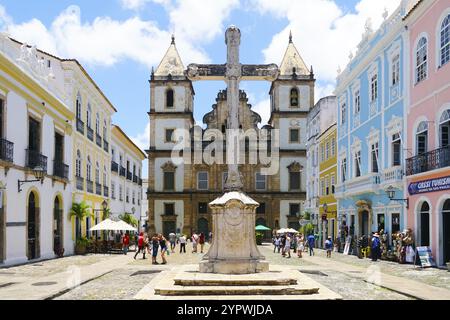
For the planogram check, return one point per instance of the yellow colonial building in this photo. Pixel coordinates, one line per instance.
(92, 132)
(327, 169)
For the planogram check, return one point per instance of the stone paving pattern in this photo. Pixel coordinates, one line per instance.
(116, 276)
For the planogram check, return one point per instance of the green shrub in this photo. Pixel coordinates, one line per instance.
(259, 238)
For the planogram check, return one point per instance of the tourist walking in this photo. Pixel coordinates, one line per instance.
(201, 241)
(155, 247)
(311, 244)
(287, 246)
(194, 240)
(172, 240)
(163, 245)
(140, 244)
(125, 243)
(283, 244)
(301, 246)
(276, 244)
(329, 247)
(375, 246)
(183, 243)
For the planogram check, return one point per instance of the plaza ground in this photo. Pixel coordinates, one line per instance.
(106, 277)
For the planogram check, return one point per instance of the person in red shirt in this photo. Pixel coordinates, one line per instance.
(125, 243)
(141, 245)
(201, 241)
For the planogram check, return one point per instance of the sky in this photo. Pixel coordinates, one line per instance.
(119, 41)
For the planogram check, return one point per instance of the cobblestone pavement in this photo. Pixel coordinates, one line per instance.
(126, 280)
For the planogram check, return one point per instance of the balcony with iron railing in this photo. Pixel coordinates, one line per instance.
(105, 191)
(60, 169)
(80, 183)
(98, 140)
(114, 167)
(90, 134)
(135, 179)
(98, 189)
(35, 159)
(123, 171)
(80, 126)
(105, 145)
(140, 182)
(6, 150)
(90, 186)
(129, 175)
(436, 159)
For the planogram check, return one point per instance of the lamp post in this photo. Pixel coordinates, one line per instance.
(391, 194)
(38, 172)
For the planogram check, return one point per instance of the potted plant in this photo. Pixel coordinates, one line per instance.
(81, 246)
(80, 211)
(259, 238)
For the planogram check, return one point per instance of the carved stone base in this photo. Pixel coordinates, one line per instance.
(234, 267)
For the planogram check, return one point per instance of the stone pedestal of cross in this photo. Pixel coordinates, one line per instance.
(234, 249)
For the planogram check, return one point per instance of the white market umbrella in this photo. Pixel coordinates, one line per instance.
(123, 226)
(106, 224)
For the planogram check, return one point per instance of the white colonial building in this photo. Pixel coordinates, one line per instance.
(126, 179)
(36, 144)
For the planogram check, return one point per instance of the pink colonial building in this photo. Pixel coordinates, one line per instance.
(428, 123)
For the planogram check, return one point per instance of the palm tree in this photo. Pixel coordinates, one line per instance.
(80, 210)
(106, 213)
(129, 218)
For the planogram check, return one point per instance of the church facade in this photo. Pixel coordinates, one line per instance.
(179, 191)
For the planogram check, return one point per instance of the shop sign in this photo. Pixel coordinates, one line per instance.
(425, 257)
(431, 185)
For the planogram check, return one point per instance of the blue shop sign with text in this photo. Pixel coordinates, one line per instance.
(431, 185)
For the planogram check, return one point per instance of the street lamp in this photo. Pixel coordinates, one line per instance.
(38, 172)
(391, 194)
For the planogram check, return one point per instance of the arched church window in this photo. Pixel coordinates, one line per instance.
(169, 98)
(294, 97)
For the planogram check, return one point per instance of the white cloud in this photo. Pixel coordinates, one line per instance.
(142, 140)
(322, 32)
(104, 41)
(262, 107)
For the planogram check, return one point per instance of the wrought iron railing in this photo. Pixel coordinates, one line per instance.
(140, 182)
(105, 145)
(123, 171)
(80, 183)
(98, 139)
(80, 126)
(6, 150)
(98, 188)
(436, 159)
(135, 179)
(90, 134)
(105, 191)
(35, 159)
(129, 175)
(60, 169)
(114, 166)
(90, 186)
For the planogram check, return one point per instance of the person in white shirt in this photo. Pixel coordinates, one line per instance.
(182, 240)
(287, 246)
(194, 243)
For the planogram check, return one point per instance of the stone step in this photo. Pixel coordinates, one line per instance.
(234, 290)
(234, 282)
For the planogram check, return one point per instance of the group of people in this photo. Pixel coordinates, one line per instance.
(158, 242)
(298, 243)
(151, 246)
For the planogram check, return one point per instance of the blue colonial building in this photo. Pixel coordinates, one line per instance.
(371, 95)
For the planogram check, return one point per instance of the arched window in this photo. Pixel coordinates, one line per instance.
(88, 116)
(422, 138)
(78, 164)
(169, 98)
(445, 128)
(445, 40)
(425, 224)
(294, 97)
(88, 169)
(421, 60)
(78, 106)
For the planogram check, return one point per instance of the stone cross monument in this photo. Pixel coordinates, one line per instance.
(234, 249)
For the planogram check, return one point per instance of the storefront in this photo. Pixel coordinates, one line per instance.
(429, 214)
